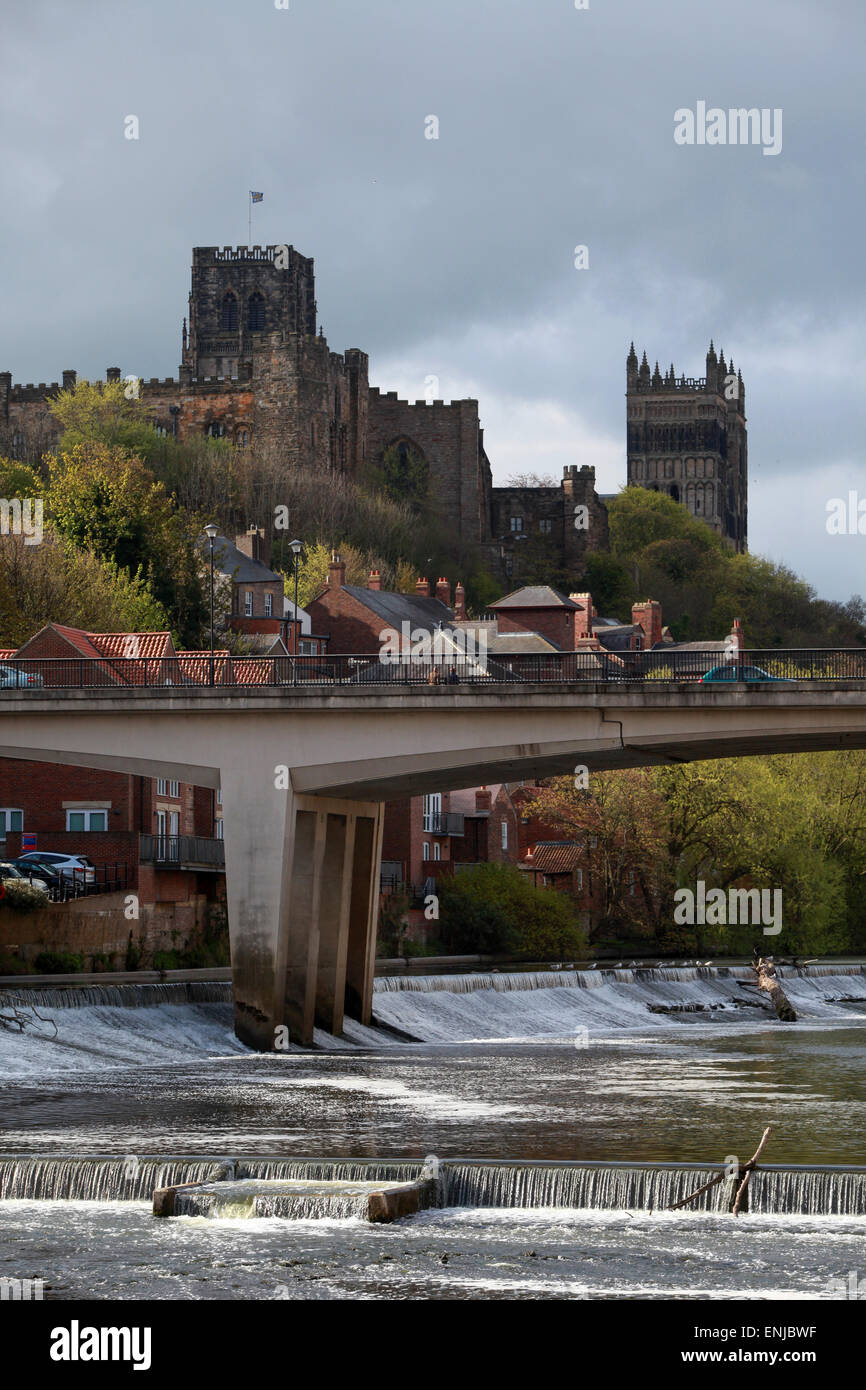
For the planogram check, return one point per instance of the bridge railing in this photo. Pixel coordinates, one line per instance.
(364, 671)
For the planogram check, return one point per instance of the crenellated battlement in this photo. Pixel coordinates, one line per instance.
(206, 254)
(391, 398)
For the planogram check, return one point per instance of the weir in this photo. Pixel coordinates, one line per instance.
(599, 1186)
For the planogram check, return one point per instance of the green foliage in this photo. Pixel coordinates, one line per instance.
(58, 963)
(56, 582)
(403, 476)
(105, 412)
(19, 480)
(703, 585)
(106, 502)
(496, 910)
(23, 897)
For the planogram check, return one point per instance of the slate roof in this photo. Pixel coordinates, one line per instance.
(395, 609)
(536, 596)
(516, 643)
(231, 561)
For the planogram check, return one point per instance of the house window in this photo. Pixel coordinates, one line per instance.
(545, 526)
(269, 605)
(256, 313)
(504, 832)
(248, 603)
(219, 796)
(174, 788)
(10, 820)
(437, 850)
(426, 851)
(229, 317)
(593, 842)
(86, 820)
(216, 429)
(161, 786)
(517, 523)
(243, 438)
(218, 829)
(432, 812)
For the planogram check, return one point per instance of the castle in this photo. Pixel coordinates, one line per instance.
(686, 436)
(255, 370)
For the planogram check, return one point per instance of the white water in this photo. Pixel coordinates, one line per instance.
(562, 1004)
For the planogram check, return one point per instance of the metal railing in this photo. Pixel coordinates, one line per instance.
(181, 851)
(443, 823)
(356, 672)
(69, 882)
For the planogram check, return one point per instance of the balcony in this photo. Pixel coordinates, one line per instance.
(182, 852)
(443, 823)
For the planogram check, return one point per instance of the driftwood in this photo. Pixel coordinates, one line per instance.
(765, 979)
(743, 1175)
(22, 1017)
(747, 1172)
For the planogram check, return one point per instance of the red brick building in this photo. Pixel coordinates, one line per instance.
(355, 619)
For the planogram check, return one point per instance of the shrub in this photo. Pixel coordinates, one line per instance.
(496, 910)
(58, 963)
(23, 897)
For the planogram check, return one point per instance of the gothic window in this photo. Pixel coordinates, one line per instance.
(18, 445)
(229, 319)
(545, 526)
(517, 523)
(216, 429)
(256, 313)
(243, 437)
(675, 492)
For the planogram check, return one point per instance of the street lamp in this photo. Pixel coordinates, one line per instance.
(296, 547)
(211, 531)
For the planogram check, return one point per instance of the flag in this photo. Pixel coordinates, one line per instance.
(256, 197)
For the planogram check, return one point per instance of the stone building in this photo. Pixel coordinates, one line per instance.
(686, 436)
(254, 370)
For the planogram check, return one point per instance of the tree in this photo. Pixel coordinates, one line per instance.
(105, 501)
(104, 412)
(56, 582)
(496, 909)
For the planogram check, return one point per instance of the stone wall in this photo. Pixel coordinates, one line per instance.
(99, 926)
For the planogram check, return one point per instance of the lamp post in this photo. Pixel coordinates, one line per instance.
(296, 547)
(211, 531)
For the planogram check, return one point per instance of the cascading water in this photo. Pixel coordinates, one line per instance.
(102, 1179)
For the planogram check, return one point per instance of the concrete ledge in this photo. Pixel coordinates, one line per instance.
(376, 1201)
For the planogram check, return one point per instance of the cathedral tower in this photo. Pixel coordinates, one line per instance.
(686, 436)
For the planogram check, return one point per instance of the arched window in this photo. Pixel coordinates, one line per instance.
(229, 318)
(675, 492)
(243, 437)
(216, 429)
(256, 313)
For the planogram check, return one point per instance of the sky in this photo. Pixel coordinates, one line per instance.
(454, 257)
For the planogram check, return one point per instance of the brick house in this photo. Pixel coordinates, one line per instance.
(355, 618)
(166, 834)
(490, 826)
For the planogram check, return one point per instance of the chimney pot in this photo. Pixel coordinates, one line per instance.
(336, 571)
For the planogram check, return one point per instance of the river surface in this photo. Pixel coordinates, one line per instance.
(576, 1073)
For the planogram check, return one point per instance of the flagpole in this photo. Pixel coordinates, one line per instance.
(250, 212)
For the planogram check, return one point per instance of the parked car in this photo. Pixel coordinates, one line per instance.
(13, 676)
(735, 672)
(75, 868)
(10, 870)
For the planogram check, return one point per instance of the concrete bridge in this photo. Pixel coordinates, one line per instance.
(304, 773)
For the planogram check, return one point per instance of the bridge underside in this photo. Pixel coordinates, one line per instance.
(303, 779)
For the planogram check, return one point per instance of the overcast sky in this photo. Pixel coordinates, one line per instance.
(454, 257)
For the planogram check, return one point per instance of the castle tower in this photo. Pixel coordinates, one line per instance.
(686, 436)
(239, 295)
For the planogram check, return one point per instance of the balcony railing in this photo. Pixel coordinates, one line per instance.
(443, 823)
(182, 852)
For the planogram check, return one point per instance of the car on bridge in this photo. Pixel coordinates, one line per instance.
(735, 672)
(13, 676)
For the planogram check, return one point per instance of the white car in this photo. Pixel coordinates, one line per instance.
(76, 867)
(10, 870)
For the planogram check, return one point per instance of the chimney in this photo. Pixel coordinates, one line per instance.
(375, 580)
(735, 642)
(422, 588)
(69, 380)
(483, 799)
(460, 602)
(256, 544)
(648, 617)
(112, 374)
(583, 621)
(336, 571)
(443, 592)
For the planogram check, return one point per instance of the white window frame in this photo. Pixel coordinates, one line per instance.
(6, 811)
(437, 850)
(503, 830)
(162, 786)
(425, 852)
(88, 815)
(431, 807)
(174, 789)
(248, 603)
(269, 605)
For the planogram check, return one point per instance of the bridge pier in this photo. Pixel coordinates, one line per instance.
(302, 884)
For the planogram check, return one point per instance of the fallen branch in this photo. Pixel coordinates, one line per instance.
(748, 1170)
(23, 1017)
(766, 980)
(691, 1197)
